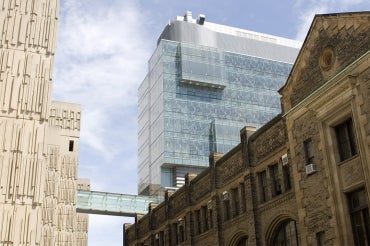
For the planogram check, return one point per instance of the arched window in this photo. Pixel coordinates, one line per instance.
(286, 234)
(242, 241)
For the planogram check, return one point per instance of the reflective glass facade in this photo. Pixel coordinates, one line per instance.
(195, 100)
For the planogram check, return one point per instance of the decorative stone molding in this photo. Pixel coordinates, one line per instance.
(229, 168)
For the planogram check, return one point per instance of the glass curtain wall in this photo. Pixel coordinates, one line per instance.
(196, 99)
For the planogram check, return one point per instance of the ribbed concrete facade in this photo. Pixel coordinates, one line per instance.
(38, 138)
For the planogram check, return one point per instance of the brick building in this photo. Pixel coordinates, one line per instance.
(301, 179)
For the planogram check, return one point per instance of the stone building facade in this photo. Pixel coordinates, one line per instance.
(38, 138)
(301, 179)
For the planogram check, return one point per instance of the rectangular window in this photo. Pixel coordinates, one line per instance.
(174, 233)
(286, 176)
(156, 240)
(205, 217)
(71, 145)
(359, 212)
(181, 230)
(242, 197)
(346, 140)
(161, 238)
(275, 181)
(226, 203)
(309, 153)
(262, 179)
(236, 202)
(198, 222)
(320, 238)
(210, 218)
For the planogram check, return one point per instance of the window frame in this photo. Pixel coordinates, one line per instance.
(309, 151)
(263, 186)
(275, 179)
(287, 177)
(236, 201)
(285, 232)
(227, 209)
(71, 144)
(198, 219)
(320, 238)
(242, 197)
(346, 139)
(204, 215)
(359, 211)
(181, 235)
(210, 218)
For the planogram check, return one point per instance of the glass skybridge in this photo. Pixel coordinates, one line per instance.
(95, 202)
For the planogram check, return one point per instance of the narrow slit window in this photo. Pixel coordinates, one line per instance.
(71, 145)
(286, 176)
(309, 153)
(262, 179)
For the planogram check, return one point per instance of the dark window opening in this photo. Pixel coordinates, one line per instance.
(236, 201)
(286, 176)
(198, 222)
(205, 217)
(181, 230)
(286, 235)
(174, 233)
(159, 239)
(275, 181)
(309, 153)
(226, 210)
(71, 145)
(262, 179)
(210, 218)
(320, 236)
(346, 140)
(242, 241)
(359, 212)
(242, 197)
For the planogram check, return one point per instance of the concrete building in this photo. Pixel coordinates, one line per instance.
(301, 179)
(38, 138)
(205, 82)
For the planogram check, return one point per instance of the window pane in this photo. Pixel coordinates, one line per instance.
(308, 146)
(286, 173)
(346, 140)
(275, 182)
(263, 186)
(236, 203)
(360, 217)
(286, 235)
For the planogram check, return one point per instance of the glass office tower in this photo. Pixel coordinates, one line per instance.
(205, 82)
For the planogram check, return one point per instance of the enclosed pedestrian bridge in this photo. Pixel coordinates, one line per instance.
(95, 202)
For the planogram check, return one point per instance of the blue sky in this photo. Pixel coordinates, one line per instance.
(101, 58)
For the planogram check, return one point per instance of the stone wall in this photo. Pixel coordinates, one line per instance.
(217, 206)
(347, 46)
